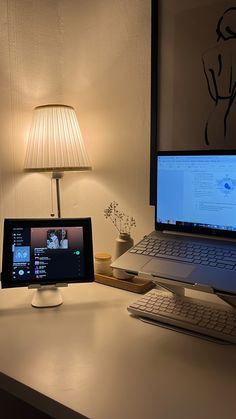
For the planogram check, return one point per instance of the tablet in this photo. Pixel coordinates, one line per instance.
(47, 252)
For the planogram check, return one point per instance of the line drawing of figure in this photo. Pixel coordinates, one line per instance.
(219, 64)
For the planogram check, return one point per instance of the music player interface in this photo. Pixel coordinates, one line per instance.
(47, 254)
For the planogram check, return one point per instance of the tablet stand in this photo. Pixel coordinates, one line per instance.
(47, 295)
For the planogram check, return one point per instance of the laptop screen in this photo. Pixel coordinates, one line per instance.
(196, 192)
(42, 251)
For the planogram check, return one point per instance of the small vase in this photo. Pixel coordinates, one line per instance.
(123, 243)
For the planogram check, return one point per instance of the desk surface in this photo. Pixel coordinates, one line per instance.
(91, 356)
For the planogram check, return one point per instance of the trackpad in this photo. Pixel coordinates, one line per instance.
(168, 269)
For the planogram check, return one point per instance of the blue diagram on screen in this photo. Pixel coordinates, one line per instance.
(226, 185)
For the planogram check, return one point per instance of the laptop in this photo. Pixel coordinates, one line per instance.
(194, 241)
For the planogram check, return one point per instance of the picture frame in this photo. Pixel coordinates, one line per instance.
(154, 99)
(193, 81)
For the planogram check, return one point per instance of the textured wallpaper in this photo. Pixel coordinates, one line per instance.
(94, 56)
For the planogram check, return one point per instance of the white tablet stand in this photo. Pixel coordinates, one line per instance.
(47, 295)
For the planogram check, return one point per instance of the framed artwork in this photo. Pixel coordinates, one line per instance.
(193, 80)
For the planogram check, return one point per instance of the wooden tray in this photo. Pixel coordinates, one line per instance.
(135, 284)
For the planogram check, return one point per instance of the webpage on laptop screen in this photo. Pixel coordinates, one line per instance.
(197, 190)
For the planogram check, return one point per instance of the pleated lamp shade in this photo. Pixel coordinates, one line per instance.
(55, 141)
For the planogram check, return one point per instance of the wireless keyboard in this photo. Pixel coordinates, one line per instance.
(187, 314)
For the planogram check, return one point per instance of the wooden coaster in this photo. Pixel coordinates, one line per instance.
(135, 284)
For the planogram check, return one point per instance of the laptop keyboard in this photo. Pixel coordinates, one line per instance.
(189, 252)
(198, 316)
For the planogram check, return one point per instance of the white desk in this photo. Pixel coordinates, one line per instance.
(92, 357)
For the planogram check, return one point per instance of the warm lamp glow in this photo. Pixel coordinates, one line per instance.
(56, 144)
(55, 141)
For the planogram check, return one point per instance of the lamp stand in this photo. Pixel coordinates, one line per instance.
(57, 176)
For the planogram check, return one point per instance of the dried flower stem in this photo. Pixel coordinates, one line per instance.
(121, 221)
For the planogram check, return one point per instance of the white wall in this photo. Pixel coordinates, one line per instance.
(95, 56)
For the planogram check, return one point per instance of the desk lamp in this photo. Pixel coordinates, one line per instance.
(56, 144)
